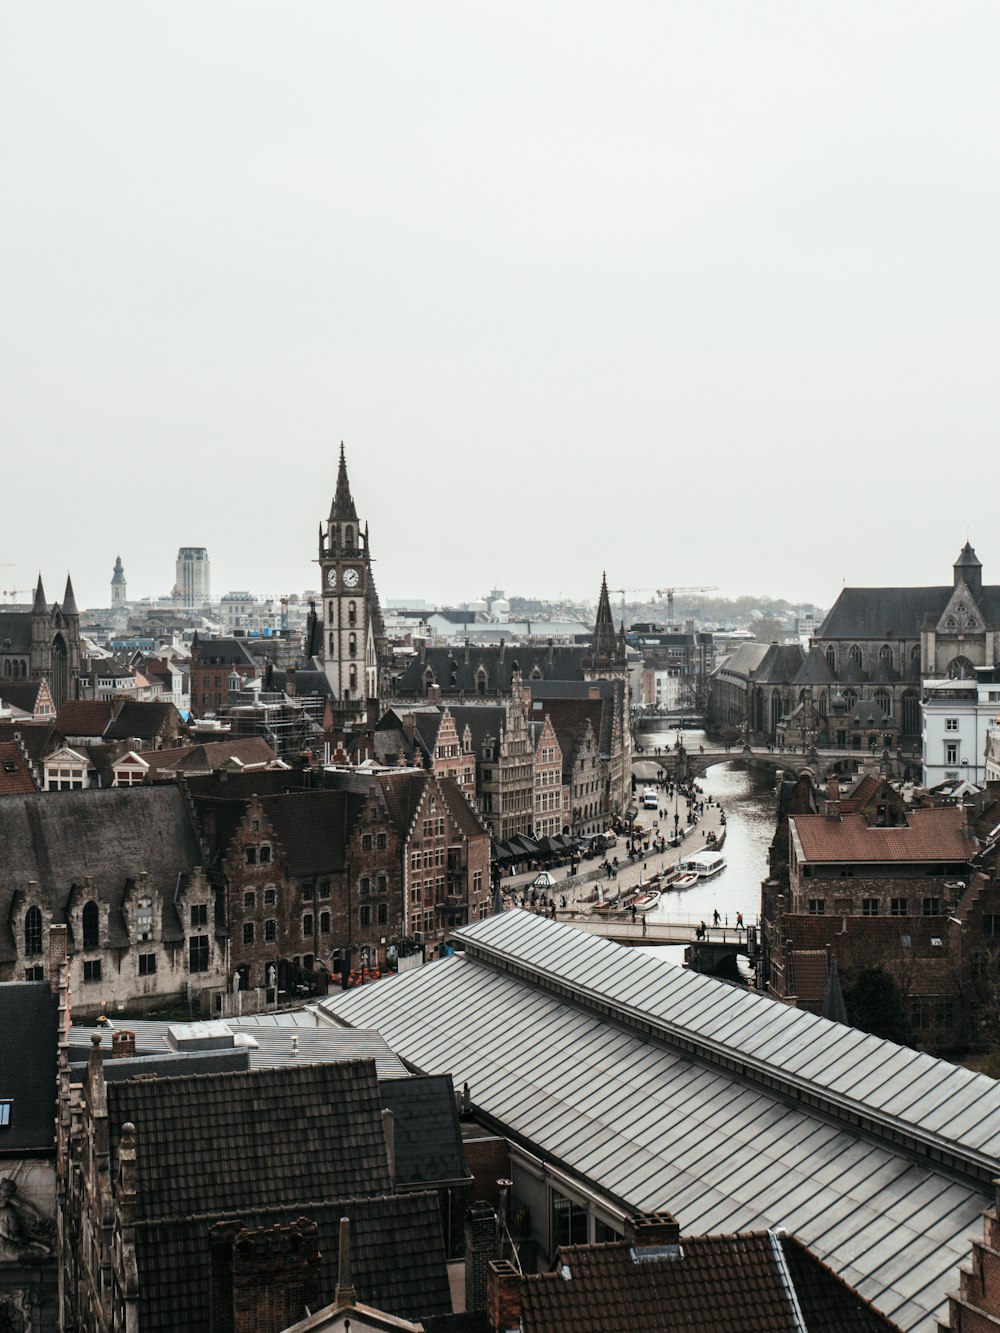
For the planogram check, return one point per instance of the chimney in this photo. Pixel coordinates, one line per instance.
(467, 652)
(57, 948)
(832, 798)
(122, 1044)
(345, 1293)
(653, 1236)
(550, 653)
(503, 651)
(503, 1297)
(263, 1280)
(480, 1250)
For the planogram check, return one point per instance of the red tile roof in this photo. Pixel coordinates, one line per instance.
(929, 835)
(15, 775)
(84, 717)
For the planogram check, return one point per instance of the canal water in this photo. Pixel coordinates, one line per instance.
(748, 799)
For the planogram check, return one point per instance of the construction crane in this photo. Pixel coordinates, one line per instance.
(623, 591)
(13, 592)
(669, 594)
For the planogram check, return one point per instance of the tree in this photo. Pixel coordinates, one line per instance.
(876, 1004)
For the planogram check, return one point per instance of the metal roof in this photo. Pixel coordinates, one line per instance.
(316, 1043)
(671, 1090)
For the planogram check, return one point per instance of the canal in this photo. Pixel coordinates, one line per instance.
(748, 799)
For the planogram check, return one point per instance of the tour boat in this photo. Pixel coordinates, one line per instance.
(645, 900)
(704, 864)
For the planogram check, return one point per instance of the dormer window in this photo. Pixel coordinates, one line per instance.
(144, 919)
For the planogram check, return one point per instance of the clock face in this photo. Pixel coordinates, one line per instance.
(331, 578)
(351, 577)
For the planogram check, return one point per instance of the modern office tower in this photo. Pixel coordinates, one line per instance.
(193, 584)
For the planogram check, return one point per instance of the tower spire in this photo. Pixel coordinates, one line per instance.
(69, 607)
(342, 510)
(40, 604)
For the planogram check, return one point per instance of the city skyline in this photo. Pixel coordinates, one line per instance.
(706, 292)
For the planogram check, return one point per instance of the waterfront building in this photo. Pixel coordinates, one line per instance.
(193, 581)
(957, 716)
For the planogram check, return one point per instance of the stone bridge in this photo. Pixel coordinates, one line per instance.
(650, 765)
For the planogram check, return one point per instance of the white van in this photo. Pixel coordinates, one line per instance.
(650, 799)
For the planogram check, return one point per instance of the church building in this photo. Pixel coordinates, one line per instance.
(42, 644)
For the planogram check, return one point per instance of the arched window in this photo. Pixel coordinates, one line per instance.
(353, 678)
(324, 923)
(535, 673)
(883, 700)
(850, 698)
(32, 931)
(951, 623)
(885, 653)
(481, 681)
(91, 926)
(352, 645)
(971, 623)
(349, 538)
(352, 613)
(911, 713)
(6, 669)
(831, 657)
(822, 704)
(775, 710)
(855, 654)
(960, 668)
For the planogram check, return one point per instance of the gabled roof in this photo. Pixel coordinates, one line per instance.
(85, 717)
(895, 613)
(758, 1281)
(929, 835)
(138, 718)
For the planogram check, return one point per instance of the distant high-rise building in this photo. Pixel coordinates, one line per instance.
(118, 597)
(193, 586)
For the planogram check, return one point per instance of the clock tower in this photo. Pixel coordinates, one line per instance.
(352, 638)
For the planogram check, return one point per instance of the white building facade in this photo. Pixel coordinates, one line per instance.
(957, 718)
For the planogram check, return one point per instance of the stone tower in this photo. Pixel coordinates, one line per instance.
(352, 639)
(607, 659)
(118, 597)
(55, 643)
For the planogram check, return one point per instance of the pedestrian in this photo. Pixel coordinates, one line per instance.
(643, 925)
(739, 920)
(715, 917)
(633, 911)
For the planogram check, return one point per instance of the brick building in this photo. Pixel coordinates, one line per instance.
(220, 667)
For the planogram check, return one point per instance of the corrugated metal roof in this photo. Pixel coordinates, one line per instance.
(671, 1090)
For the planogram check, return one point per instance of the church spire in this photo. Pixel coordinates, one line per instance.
(69, 607)
(604, 625)
(968, 567)
(40, 605)
(342, 510)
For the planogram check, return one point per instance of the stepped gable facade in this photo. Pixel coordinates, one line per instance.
(122, 871)
(42, 643)
(233, 1222)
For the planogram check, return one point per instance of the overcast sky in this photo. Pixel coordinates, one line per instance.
(699, 293)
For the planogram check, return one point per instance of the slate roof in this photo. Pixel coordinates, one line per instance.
(139, 718)
(429, 1149)
(454, 674)
(110, 834)
(21, 694)
(15, 775)
(209, 757)
(224, 651)
(462, 812)
(15, 627)
(718, 1284)
(896, 613)
(742, 660)
(815, 670)
(570, 718)
(930, 835)
(28, 1035)
(269, 1145)
(780, 664)
(257, 1139)
(313, 827)
(37, 738)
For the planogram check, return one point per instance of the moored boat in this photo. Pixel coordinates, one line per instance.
(642, 902)
(703, 864)
(687, 880)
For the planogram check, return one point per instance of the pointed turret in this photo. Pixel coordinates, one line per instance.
(342, 510)
(40, 605)
(69, 607)
(604, 625)
(968, 568)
